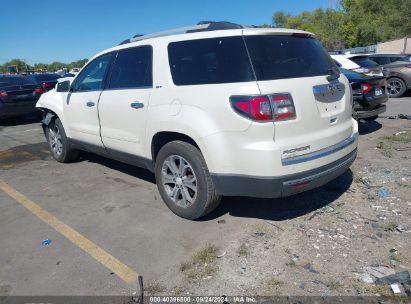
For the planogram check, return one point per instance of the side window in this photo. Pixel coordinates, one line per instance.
(92, 77)
(393, 59)
(381, 60)
(132, 69)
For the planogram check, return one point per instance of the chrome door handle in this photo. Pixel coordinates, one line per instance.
(137, 105)
(90, 104)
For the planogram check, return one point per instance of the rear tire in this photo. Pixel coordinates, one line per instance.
(396, 87)
(184, 181)
(58, 143)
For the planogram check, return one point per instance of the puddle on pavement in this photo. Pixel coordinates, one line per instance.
(23, 154)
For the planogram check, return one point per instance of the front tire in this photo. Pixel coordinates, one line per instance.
(184, 181)
(58, 143)
(396, 87)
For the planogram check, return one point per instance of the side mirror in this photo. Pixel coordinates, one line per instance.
(63, 86)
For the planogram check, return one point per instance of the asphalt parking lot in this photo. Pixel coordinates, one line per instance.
(107, 223)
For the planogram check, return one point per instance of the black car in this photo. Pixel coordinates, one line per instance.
(18, 95)
(369, 94)
(46, 81)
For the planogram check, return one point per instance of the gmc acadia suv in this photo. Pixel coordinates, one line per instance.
(218, 109)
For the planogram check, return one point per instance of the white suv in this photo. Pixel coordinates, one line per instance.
(219, 109)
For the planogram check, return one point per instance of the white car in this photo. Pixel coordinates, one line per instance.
(367, 67)
(219, 109)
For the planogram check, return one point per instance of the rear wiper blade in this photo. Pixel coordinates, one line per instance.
(334, 74)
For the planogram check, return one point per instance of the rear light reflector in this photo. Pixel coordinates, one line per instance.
(265, 108)
(283, 107)
(254, 107)
(39, 90)
(3, 94)
(366, 88)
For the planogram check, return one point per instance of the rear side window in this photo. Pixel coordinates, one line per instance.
(132, 69)
(382, 60)
(278, 57)
(209, 61)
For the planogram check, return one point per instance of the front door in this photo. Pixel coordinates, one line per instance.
(81, 107)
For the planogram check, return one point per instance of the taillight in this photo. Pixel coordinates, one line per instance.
(283, 107)
(366, 88)
(362, 70)
(3, 94)
(46, 86)
(39, 90)
(253, 107)
(264, 108)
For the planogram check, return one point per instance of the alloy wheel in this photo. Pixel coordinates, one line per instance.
(56, 144)
(179, 180)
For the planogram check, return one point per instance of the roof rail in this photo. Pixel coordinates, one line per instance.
(171, 32)
(200, 27)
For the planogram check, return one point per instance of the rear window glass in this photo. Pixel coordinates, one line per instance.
(364, 62)
(44, 77)
(6, 81)
(209, 61)
(278, 57)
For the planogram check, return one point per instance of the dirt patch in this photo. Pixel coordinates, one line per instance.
(22, 154)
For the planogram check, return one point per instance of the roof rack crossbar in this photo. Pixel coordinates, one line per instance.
(171, 32)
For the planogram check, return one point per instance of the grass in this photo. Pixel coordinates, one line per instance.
(386, 142)
(382, 290)
(273, 282)
(334, 285)
(201, 264)
(291, 263)
(390, 226)
(385, 148)
(242, 250)
(154, 288)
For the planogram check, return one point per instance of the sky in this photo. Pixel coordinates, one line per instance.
(48, 30)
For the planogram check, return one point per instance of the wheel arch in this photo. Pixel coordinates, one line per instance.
(161, 138)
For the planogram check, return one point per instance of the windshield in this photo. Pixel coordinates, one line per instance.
(278, 57)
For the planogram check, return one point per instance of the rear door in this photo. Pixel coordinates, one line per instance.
(81, 108)
(123, 104)
(299, 66)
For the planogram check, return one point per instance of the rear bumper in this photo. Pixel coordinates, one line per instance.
(16, 109)
(369, 113)
(272, 187)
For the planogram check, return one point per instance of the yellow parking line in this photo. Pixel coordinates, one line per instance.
(123, 271)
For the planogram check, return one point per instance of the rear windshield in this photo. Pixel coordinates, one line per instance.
(278, 57)
(7, 81)
(225, 59)
(364, 62)
(207, 61)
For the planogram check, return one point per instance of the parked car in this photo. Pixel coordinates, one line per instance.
(369, 94)
(397, 69)
(258, 112)
(18, 95)
(387, 58)
(369, 66)
(362, 66)
(46, 81)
